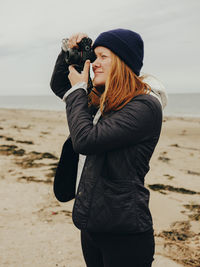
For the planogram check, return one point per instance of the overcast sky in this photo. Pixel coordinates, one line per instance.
(31, 32)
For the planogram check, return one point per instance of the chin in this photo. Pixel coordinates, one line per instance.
(98, 83)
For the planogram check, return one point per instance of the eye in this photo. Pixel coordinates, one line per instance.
(103, 56)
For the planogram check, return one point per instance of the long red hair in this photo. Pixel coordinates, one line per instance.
(121, 86)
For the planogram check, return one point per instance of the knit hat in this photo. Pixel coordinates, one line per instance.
(126, 44)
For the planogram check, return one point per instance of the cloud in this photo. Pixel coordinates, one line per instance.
(30, 38)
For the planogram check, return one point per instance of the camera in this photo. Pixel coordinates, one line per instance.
(78, 56)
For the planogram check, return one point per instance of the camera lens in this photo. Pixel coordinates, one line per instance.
(87, 48)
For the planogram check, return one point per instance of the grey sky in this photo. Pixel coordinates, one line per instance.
(31, 34)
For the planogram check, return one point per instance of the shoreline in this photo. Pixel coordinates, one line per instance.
(37, 230)
(186, 116)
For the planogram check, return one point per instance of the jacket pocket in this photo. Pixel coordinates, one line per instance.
(118, 194)
(113, 208)
(82, 203)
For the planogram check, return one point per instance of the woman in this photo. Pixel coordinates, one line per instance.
(113, 133)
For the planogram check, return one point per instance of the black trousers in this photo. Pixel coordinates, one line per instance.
(118, 250)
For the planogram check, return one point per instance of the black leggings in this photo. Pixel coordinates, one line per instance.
(118, 250)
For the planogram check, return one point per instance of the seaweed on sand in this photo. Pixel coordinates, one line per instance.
(34, 179)
(31, 157)
(180, 232)
(161, 187)
(11, 150)
(164, 159)
(39, 155)
(52, 173)
(180, 244)
(25, 142)
(185, 147)
(194, 211)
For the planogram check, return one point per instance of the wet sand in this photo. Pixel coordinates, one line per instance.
(37, 230)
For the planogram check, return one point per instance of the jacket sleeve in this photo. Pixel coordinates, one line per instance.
(60, 83)
(136, 122)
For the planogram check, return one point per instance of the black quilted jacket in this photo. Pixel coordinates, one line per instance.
(111, 195)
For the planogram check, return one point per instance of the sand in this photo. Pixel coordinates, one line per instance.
(37, 230)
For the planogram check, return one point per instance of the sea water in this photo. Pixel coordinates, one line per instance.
(179, 105)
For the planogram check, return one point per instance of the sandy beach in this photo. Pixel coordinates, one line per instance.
(37, 230)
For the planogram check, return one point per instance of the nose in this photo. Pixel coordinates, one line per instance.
(96, 63)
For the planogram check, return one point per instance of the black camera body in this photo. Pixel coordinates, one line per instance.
(77, 56)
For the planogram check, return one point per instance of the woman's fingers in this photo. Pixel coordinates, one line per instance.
(81, 36)
(85, 71)
(75, 39)
(76, 77)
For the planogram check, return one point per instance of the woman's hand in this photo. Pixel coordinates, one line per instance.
(76, 77)
(75, 39)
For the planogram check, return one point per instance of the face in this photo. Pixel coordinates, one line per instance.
(101, 66)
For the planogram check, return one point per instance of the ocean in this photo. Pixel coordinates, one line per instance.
(179, 105)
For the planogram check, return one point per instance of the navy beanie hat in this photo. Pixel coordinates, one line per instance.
(126, 44)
